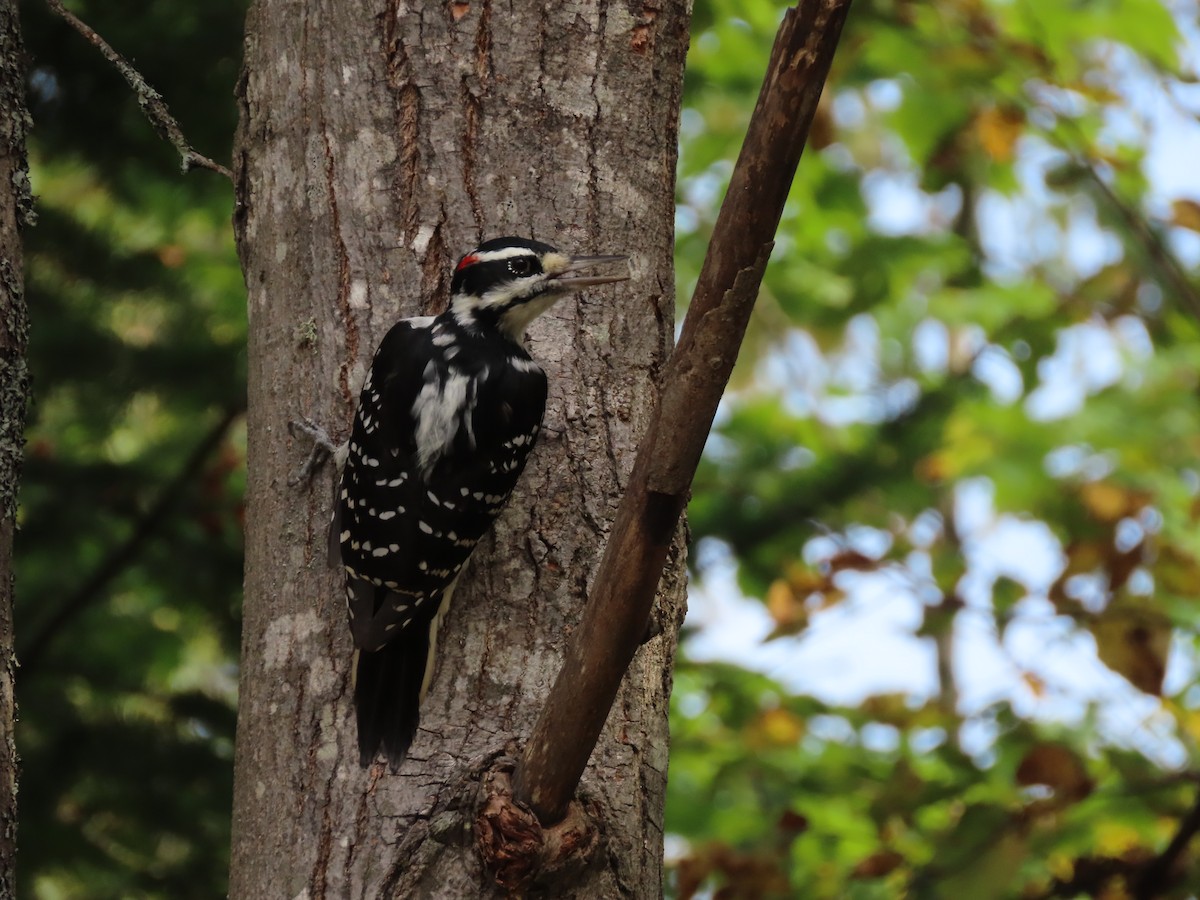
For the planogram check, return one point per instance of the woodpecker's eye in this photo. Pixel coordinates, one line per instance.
(521, 266)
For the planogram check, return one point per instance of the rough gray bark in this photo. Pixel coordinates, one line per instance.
(15, 206)
(379, 140)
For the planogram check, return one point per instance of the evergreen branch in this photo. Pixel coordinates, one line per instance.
(126, 554)
(615, 619)
(149, 99)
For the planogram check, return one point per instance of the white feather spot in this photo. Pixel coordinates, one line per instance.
(439, 410)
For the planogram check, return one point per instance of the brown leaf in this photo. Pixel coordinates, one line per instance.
(821, 132)
(691, 873)
(792, 823)
(1122, 564)
(878, 864)
(1134, 643)
(172, 255)
(1035, 684)
(852, 560)
(1057, 767)
(1084, 556)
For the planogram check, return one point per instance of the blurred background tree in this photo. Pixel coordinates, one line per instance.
(944, 628)
(129, 551)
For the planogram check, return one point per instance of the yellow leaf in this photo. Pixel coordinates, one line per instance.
(804, 580)
(890, 709)
(786, 608)
(1186, 214)
(1115, 838)
(1061, 865)
(1084, 556)
(776, 728)
(1134, 643)
(1176, 571)
(1109, 502)
(1189, 720)
(932, 469)
(997, 130)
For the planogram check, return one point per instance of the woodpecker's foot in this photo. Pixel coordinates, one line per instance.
(323, 448)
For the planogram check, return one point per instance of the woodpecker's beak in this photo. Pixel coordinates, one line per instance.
(568, 280)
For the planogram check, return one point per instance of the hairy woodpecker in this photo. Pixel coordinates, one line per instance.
(450, 409)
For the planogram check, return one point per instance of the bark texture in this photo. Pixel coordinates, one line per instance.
(379, 140)
(15, 212)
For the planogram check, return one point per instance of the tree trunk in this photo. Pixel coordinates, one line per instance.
(15, 203)
(377, 143)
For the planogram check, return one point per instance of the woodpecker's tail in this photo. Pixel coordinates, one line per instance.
(389, 685)
(387, 696)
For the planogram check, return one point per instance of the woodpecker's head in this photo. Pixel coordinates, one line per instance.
(508, 282)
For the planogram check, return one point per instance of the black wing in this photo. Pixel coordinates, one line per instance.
(419, 490)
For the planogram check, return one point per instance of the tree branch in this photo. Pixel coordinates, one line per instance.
(1155, 878)
(617, 613)
(127, 552)
(1170, 271)
(149, 99)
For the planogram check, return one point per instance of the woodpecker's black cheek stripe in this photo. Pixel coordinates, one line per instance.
(479, 278)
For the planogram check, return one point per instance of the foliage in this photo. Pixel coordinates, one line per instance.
(127, 684)
(975, 323)
(976, 320)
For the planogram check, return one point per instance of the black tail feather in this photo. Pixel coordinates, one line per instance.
(387, 696)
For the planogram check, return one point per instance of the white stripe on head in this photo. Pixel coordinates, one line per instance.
(503, 253)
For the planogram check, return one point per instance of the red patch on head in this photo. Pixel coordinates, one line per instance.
(468, 260)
